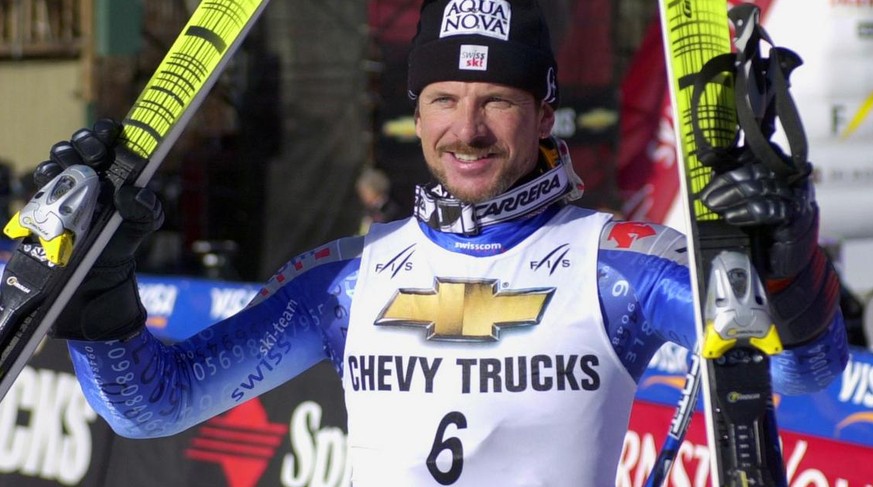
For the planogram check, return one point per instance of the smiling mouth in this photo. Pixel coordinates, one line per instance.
(469, 157)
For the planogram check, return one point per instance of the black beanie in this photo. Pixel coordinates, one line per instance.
(495, 41)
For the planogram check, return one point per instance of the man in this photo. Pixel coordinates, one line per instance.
(496, 337)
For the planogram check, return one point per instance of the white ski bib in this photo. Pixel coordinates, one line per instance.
(481, 371)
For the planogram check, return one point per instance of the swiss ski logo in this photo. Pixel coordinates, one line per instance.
(473, 58)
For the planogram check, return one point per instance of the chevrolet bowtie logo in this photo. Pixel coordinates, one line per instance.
(465, 310)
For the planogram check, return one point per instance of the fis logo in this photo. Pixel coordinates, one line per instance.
(399, 262)
(553, 260)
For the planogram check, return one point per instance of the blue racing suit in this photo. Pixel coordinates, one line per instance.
(146, 388)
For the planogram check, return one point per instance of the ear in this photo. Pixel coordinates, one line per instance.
(416, 116)
(547, 120)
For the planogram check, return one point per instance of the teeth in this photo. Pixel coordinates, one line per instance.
(466, 157)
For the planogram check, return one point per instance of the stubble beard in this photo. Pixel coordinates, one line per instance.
(480, 194)
(504, 179)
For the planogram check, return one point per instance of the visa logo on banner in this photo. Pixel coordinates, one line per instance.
(179, 307)
(160, 301)
(670, 358)
(228, 301)
(857, 383)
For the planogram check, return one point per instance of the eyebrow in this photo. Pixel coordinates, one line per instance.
(439, 94)
(497, 92)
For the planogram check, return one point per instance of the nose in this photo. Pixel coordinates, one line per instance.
(471, 126)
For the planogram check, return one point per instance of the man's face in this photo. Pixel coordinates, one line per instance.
(480, 138)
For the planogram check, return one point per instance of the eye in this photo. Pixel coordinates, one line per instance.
(498, 102)
(441, 101)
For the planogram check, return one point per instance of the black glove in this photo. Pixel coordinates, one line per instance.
(802, 284)
(90, 147)
(106, 305)
(784, 215)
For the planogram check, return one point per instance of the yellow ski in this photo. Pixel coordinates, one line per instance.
(38, 282)
(735, 333)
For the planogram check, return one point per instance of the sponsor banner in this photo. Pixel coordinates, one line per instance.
(833, 90)
(842, 412)
(180, 307)
(826, 436)
(295, 434)
(292, 436)
(49, 435)
(809, 460)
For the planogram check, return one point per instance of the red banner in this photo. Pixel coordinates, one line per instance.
(810, 461)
